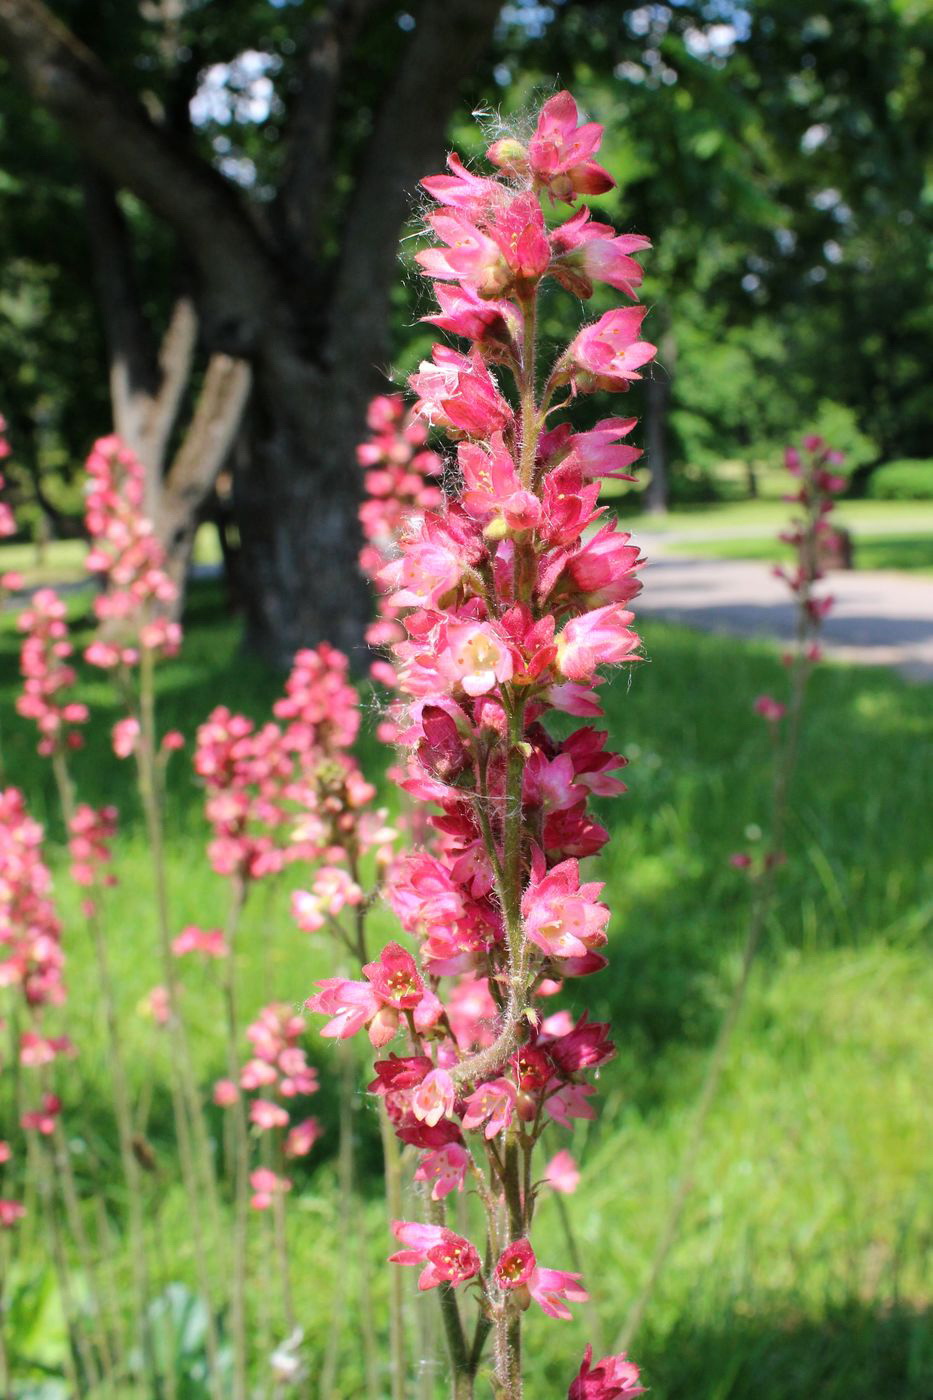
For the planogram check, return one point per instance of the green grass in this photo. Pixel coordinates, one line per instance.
(800, 1269)
(910, 553)
(62, 561)
(914, 515)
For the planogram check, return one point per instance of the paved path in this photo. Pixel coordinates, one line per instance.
(880, 618)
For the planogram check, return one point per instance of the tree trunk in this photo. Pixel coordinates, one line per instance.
(295, 501)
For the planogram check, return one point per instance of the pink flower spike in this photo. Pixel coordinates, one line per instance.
(434, 1098)
(562, 1173)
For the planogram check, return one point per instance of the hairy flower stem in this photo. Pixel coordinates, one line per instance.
(240, 1130)
(121, 1103)
(193, 1149)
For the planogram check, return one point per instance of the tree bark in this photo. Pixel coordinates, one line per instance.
(198, 461)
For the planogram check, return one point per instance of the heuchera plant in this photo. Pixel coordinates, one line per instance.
(513, 594)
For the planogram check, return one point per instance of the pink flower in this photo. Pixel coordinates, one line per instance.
(769, 708)
(570, 1101)
(434, 1098)
(266, 1115)
(351, 1005)
(395, 978)
(42, 1120)
(552, 1289)
(446, 1257)
(302, 1137)
(603, 569)
(612, 1378)
(598, 637)
(585, 251)
(10, 1213)
(462, 189)
(266, 1186)
(492, 490)
(158, 1005)
(598, 454)
(558, 156)
(125, 737)
(475, 657)
(445, 1168)
(209, 942)
(562, 917)
(225, 1093)
(458, 392)
(515, 1265)
(608, 354)
(562, 1173)
(492, 1104)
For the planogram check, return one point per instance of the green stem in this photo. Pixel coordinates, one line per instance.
(121, 1100)
(392, 1160)
(194, 1152)
(240, 1130)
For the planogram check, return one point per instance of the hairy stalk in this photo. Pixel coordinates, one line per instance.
(194, 1155)
(121, 1103)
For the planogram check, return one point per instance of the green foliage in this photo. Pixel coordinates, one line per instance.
(902, 481)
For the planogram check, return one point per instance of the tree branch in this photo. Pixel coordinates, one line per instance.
(114, 131)
(134, 371)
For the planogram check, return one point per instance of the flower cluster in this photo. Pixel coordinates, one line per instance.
(397, 466)
(127, 554)
(513, 593)
(811, 536)
(31, 956)
(277, 1073)
(48, 675)
(31, 961)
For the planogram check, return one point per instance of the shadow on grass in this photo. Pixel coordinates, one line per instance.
(855, 1351)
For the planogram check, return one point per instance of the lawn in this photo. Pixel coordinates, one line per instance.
(906, 516)
(910, 553)
(800, 1267)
